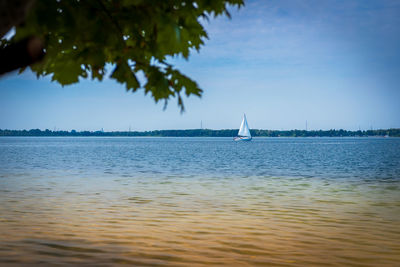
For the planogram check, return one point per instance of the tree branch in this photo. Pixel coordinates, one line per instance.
(21, 54)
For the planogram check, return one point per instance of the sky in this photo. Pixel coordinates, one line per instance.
(334, 64)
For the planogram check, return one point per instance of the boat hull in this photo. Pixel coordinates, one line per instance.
(242, 138)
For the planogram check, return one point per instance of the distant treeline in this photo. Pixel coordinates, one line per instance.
(207, 133)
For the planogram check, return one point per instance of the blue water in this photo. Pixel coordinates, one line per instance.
(199, 201)
(353, 158)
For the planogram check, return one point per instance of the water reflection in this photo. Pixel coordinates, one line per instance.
(80, 215)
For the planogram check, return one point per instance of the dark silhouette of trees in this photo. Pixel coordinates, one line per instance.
(208, 133)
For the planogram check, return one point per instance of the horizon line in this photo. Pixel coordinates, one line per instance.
(198, 129)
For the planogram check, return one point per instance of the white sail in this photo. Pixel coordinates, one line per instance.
(244, 128)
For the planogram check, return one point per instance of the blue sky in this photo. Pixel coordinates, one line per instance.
(334, 63)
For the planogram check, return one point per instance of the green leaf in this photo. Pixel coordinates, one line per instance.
(123, 74)
(82, 37)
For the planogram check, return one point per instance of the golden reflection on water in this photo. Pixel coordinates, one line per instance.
(254, 221)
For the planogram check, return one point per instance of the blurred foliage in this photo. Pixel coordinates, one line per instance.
(135, 37)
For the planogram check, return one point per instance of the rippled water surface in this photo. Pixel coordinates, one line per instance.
(197, 201)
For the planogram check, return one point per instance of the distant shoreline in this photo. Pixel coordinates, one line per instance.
(395, 132)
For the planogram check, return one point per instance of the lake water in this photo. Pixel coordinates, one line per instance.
(196, 201)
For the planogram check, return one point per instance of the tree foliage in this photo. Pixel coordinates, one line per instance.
(82, 38)
(209, 133)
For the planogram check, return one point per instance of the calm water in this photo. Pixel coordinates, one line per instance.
(196, 201)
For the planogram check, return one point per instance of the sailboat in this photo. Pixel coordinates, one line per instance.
(244, 131)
